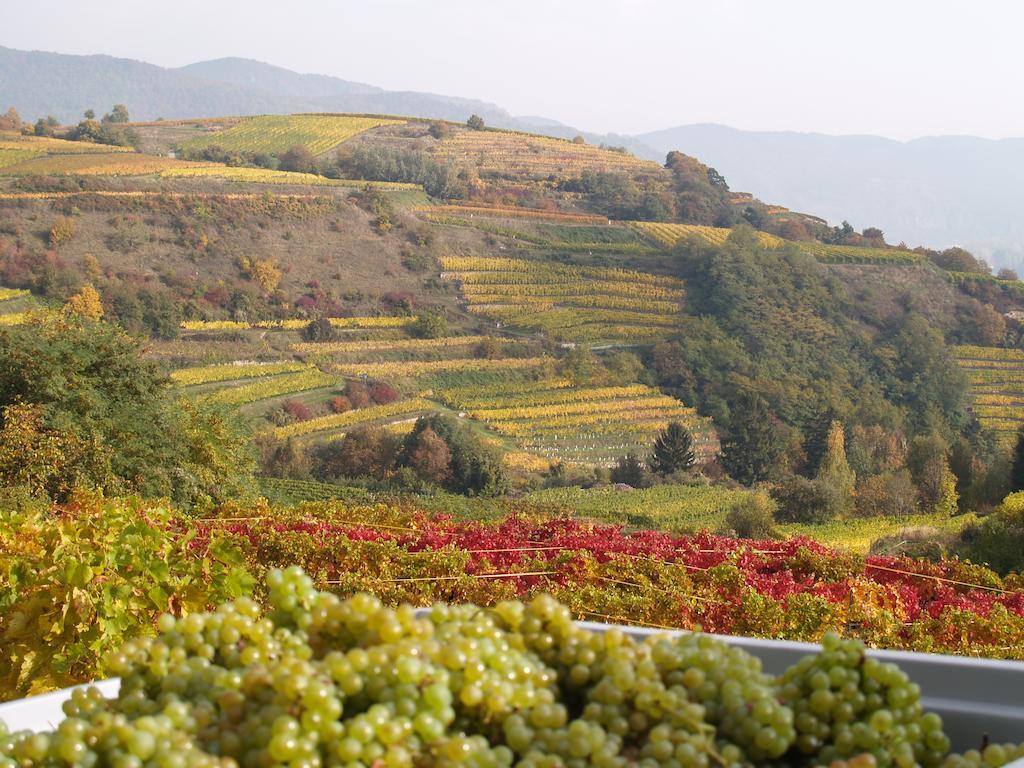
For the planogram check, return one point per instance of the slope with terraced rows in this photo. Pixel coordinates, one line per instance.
(996, 378)
(568, 303)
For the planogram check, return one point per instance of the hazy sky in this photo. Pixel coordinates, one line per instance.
(898, 68)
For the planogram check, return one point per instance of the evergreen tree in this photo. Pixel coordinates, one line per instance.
(673, 450)
(816, 442)
(751, 449)
(834, 468)
(1017, 470)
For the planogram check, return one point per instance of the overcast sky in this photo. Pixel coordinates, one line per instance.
(897, 68)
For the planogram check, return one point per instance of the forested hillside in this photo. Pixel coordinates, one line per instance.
(941, 190)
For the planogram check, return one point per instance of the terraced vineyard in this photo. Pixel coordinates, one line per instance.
(208, 374)
(371, 346)
(274, 386)
(504, 153)
(49, 146)
(512, 212)
(295, 324)
(997, 387)
(381, 354)
(9, 157)
(855, 254)
(582, 425)
(97, 164)
(14, 305)
(257, 386)
(268, 176)
(380, 414)
(568, 302)
(533, 416)
(667, 235)
(276, 134)
(416, 368)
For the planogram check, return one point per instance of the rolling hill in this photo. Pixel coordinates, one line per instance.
(935, 191)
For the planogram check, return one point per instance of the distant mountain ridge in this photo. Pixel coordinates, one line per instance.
(40, 83)
(934, 191)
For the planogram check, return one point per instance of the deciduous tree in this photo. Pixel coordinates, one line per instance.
(430, 457)
(86, 304)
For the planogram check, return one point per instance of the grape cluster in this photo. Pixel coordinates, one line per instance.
(324, 682)
(848, 704)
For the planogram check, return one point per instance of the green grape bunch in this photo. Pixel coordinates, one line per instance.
(318, 681)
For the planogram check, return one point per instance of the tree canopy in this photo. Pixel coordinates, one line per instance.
(86, 409)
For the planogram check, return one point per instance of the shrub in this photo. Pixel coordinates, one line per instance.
(86, 304)
(339, 404)
(752, 517)
(357, 393)
(430, 325)
(319, 330)
(283, 459)
(629, 470)
(298, 159)
(264, 272)
(920, 542)
(63, 230)
(297, 410)
(128, 236)
(806, 501)
(383, 393)
(998, 540)
(487, 349)
(440, 130)
(928, 462)
(99, 411)
(890, 494)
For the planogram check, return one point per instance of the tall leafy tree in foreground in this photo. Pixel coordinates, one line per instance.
(672, 451)
(80, 407)
(751, 448)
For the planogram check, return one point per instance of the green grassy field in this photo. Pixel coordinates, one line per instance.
(683, 509)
